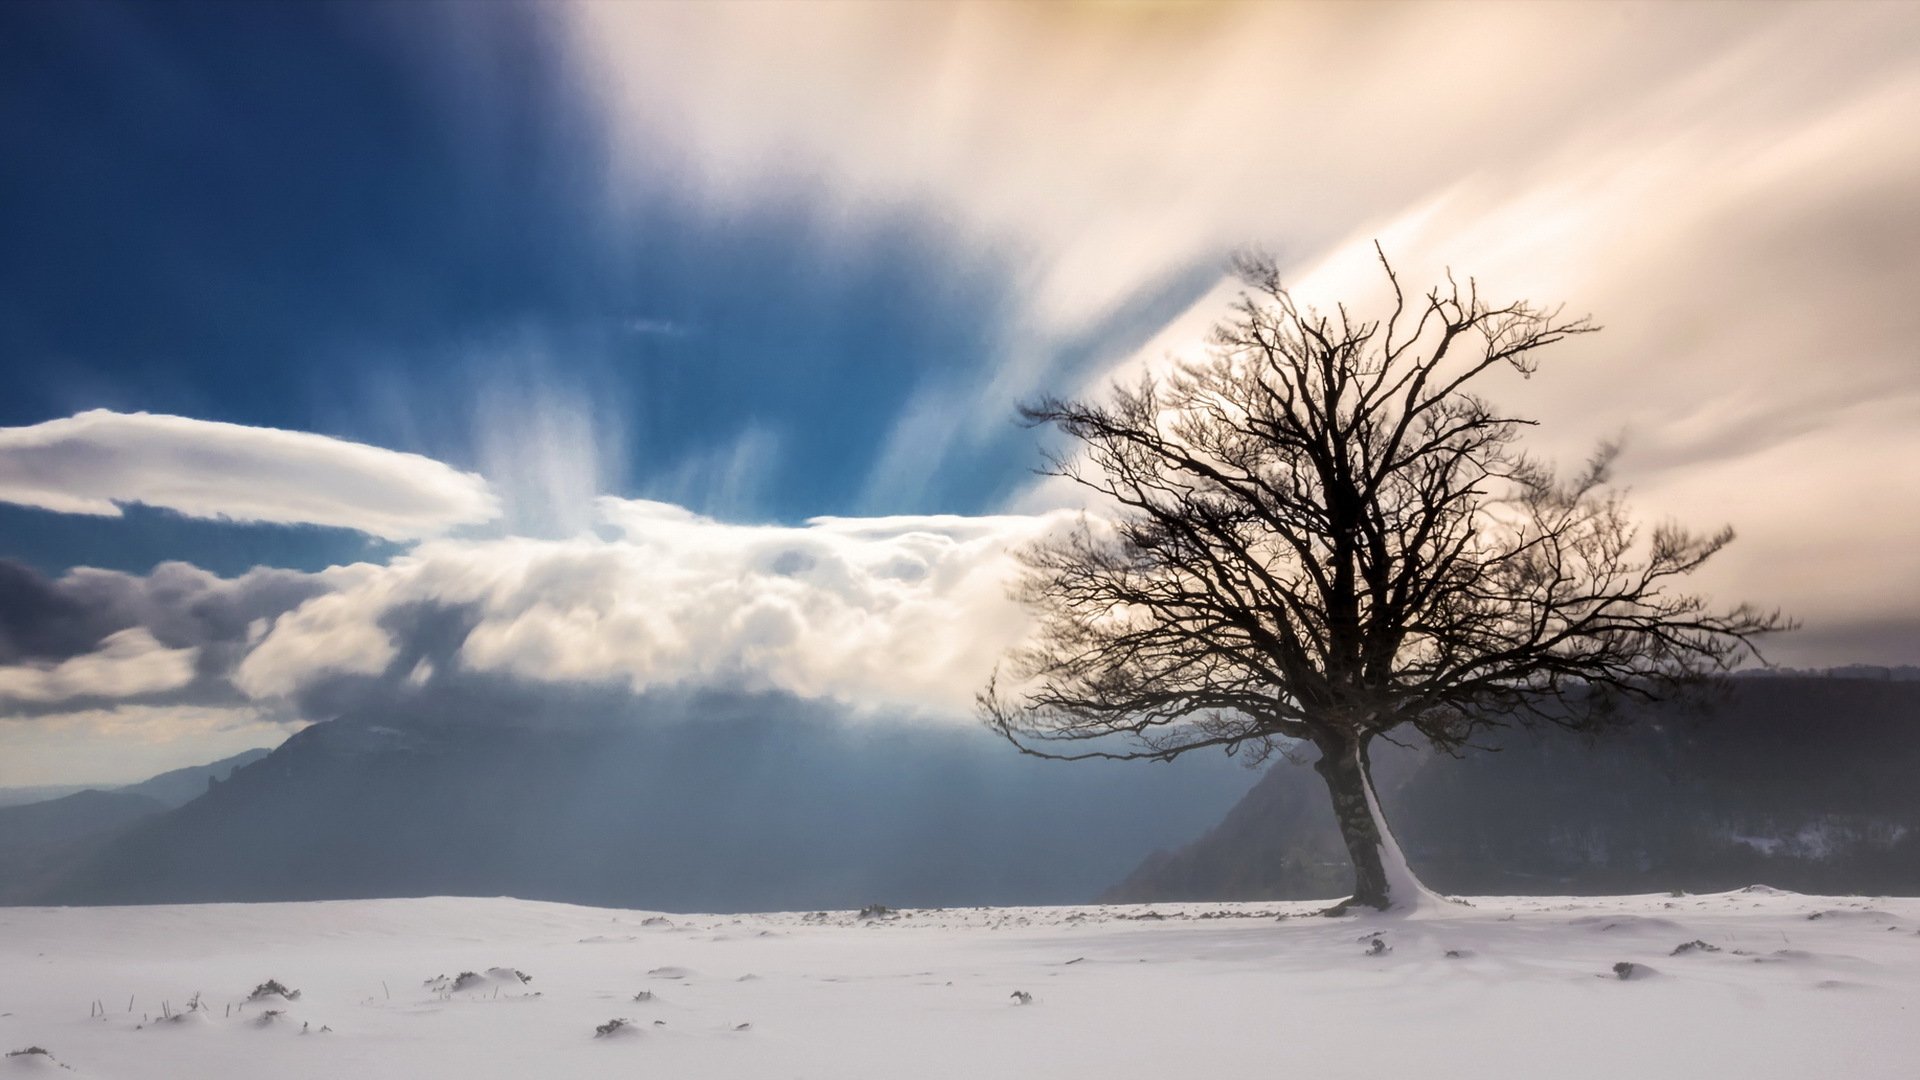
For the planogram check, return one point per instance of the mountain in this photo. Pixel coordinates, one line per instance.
(1797, 781)
(21, 796)
(732, 812)
(44, 839)
(181, 786)
(39, 840)
(1801, 782)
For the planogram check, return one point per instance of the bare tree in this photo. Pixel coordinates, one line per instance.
(1319, 535)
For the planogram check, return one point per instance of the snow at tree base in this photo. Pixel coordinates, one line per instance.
(1757, 983)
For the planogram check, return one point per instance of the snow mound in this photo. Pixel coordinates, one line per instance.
(1605, 924)
(1787, 956)
(1851, 914)
(491, 979)
(33, 1061)
(272, 994)
(617, 1028)
(180, 1021)
(1840, 984)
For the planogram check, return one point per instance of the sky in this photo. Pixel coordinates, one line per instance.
(352, 350)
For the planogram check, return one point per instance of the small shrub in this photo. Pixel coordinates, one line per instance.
(611, 1026)
(271, 987)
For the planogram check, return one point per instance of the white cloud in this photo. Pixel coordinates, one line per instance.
(127, 664)
(95, 461)
(722, 480)
(903, 612)
(334, 634)
(546, 444)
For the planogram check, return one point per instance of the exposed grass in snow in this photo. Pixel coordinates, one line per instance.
(1749, 984)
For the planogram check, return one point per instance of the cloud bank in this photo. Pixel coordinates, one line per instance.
(902, 618)
(903, 613)
(92, 462)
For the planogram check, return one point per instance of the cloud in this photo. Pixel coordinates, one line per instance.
(902, 615)
(724, 480)
(549, 437)
(170, 637)
(1091, 149)
(94, 461)
(1731, 191)
(128, 663)
(183, 605)
(907, 613)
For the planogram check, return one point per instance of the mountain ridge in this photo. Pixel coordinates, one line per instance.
(1800, 781)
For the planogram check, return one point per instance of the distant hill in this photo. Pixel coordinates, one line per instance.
(181, 786)
(42, 840)
(1801, 782)
(21, 796)
(733, 813)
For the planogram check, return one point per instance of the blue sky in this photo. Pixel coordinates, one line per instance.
(583, 315)
(287, 216)
(293, 216)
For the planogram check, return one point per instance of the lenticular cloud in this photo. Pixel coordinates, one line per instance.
(94, 462)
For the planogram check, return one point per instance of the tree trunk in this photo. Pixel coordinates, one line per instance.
(1380, 876)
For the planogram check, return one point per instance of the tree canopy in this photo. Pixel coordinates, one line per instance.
(1320, 532)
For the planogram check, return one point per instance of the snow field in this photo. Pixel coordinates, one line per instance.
(1748, 984)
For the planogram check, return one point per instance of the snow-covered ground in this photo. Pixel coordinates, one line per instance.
(1785, 986)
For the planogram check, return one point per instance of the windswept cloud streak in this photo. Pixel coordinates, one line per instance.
(1729, 189)
(94, 462)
